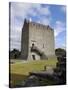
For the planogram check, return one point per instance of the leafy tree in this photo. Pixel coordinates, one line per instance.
(60, 52)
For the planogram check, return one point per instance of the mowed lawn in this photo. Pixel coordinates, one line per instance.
(19, 70)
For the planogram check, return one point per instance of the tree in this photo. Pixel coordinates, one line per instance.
(60, 52)
(14, 53)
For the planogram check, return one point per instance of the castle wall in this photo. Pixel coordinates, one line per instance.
(41, 36)
(48, 40)
(25, 41)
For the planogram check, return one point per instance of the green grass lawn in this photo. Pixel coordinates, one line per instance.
(20, 70)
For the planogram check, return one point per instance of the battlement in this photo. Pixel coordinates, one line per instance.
(38, 25)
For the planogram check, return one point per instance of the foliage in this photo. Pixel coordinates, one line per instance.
(60, 52)
(14, 54)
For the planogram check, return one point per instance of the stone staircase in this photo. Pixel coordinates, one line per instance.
(38, 52)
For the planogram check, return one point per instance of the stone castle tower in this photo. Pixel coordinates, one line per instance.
(37, 41)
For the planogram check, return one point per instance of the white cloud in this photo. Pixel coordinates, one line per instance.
(30, 19)
(59, 27)
(44, 11)
(46, 21)
(64, 46)
(21, 9)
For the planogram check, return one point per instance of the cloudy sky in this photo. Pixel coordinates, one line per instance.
(53, 15)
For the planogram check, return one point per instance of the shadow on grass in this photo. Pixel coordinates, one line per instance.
(16, 80)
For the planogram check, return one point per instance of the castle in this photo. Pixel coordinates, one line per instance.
(37, 41)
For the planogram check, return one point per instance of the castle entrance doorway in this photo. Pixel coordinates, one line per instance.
(33, 56)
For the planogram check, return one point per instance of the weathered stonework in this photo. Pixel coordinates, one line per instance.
(37, 41)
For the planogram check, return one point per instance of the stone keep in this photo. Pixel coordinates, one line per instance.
(37, 41)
